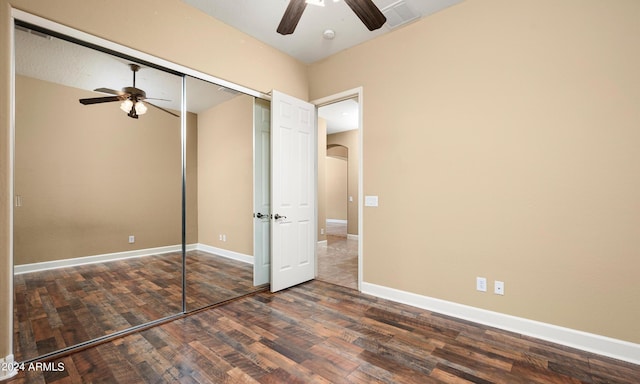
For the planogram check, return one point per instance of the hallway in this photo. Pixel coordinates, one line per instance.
(338, 257)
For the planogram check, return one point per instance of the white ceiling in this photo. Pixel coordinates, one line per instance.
(341, 116)
(260, 18)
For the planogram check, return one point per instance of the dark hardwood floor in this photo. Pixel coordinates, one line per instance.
(63, 307)
(318, 332)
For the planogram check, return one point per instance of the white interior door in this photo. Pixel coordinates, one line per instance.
(261, 199)
(293, 191)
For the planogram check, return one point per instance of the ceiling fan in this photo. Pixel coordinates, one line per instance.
(131, 98)
(366, 10)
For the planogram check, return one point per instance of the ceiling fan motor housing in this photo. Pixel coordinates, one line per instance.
(135, 93)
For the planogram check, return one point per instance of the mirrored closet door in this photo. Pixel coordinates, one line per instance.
(220, 189)
(131, 206)
(98, 188)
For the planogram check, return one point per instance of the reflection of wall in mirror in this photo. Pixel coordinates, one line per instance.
(89, 176)
(225, 176)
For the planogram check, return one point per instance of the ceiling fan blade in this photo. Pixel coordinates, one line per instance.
(367, 11)
(291, 16)
(162, 109)
(97, 100)
(111, 91)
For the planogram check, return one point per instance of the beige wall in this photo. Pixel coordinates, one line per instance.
(336, 188)
(192, 179)
(350, 140)
(512, 154)
(168, 33)
(225, 175)
(89, 176)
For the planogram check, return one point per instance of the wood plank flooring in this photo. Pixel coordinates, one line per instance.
(323, 333)
(63, 307)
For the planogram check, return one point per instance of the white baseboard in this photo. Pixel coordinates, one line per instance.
(322, 242)
(46, 265)
(225, 253)
(337, 221)
(617, 349)
(352, 237)
(35, 267)
(8, 370)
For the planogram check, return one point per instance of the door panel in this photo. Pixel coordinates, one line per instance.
(262, 200)
(293, 155)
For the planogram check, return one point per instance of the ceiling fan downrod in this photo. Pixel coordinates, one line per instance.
(134, 69)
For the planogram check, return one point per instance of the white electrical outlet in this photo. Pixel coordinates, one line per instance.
(224, 237)
(220, 237)
(132, 239)
(498, 287)
(322, 231)
(481, 284)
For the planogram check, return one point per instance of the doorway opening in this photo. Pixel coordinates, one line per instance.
(339, 189)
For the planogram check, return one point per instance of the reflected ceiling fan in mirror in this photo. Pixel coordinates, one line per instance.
(132, 98)
(366, 10)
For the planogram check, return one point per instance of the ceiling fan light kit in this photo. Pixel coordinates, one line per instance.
(131, 98)
(366, 10)
(133, 110)
(140, 108)
(126, 105)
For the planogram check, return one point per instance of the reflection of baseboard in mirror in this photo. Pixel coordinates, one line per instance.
(225, 253)
(46, 265)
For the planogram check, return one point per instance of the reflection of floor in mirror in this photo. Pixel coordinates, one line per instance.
(212, 279)
(63, 307)
(338, 257)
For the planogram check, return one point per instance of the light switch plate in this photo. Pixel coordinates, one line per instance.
(371, 201)
(481, 284)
